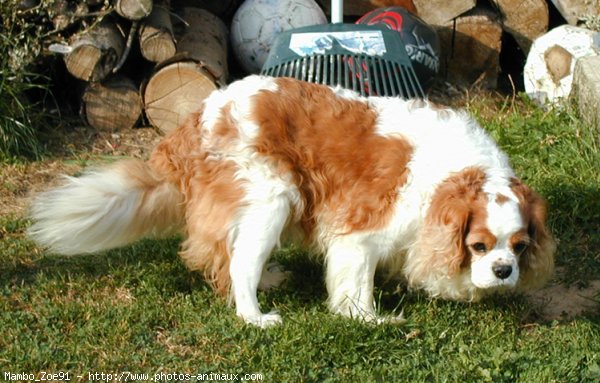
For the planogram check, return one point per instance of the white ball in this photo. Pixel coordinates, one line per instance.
(257, 23)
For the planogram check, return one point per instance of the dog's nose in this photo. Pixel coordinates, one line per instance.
(502, 271)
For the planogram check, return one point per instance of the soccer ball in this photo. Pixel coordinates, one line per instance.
(257, 23)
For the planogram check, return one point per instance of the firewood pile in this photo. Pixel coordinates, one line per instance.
(139, 57)
(156, 60)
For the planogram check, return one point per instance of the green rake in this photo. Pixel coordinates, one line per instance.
(367, 59)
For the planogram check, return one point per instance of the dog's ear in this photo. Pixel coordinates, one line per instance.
(537, 262)
(441, 243)
(446, 226)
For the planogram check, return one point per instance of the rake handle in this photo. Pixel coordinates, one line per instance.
(337, 11)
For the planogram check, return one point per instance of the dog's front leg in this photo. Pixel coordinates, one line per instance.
(256, 233)
(350, 272)
(350, 277)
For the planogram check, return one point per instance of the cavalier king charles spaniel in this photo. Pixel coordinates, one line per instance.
(407, 186)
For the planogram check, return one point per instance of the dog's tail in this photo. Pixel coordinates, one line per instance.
(106, 208)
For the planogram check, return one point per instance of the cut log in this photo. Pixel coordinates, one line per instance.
(222, 8)
(525, 20)
(156, 34)
(204, 39)
(351, 7)
(471, 48)
(134, 9)
(179, 85)
(407, 4)
(574, 10)
(586, 90)
(96, 51)
(64, 13)
(176, 91)
(112, 105)
(440, 12)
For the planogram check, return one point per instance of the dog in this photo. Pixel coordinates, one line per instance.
(407, 186)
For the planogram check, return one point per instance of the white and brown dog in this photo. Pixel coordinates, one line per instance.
(368, 182)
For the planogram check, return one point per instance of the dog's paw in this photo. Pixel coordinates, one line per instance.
(273, 276)
(264, 320)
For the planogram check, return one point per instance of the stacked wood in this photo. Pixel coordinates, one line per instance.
(134, 9)
(524, 19)
(224, 9)
(204, 40)
(157, 42)
(472, 41)
(586, 90)
(179, 85)
(96, 52)
(407, 4)
(471, 48)
(440, 12)
(174, 91)
(112, 105)
(574, 10)
(185, 72)
(63, 13)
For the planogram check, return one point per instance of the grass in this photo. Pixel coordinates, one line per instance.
(138, 309)
(19, 116)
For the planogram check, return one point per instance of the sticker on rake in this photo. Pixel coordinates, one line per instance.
(359, 42)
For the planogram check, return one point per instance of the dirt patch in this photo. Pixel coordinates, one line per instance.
(560, 302)
(71, 152)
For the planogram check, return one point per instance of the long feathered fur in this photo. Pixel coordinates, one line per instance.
(105, 209)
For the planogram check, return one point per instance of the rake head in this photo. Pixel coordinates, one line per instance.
(369, 60)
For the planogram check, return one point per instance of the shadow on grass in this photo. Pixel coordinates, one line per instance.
(575, 219)
(147, 260)
(574, 214)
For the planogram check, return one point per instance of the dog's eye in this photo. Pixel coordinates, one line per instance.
(519, 247)
(479, 247)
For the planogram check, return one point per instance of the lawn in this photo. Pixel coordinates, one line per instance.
(138, 309)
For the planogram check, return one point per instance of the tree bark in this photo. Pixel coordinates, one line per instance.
(96, 51)
(524, 20)
(471, 48)
(179, 85)
(204, 39)
(112, 105)
(175, 91)
(134, 9)
(439, 12)
(573, 10)
(157, 42)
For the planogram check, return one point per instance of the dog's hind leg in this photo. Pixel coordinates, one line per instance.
(256, 232)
